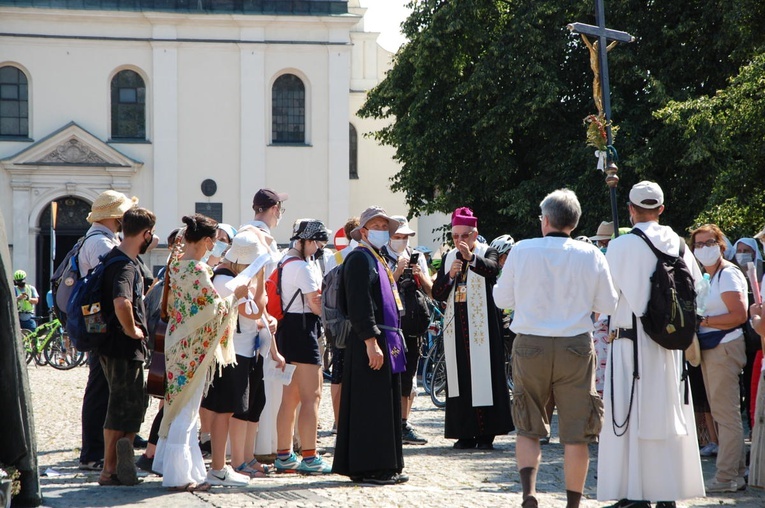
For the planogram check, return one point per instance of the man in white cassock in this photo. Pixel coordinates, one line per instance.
(648, 450)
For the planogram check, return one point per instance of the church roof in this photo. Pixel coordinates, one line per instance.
(246, 7)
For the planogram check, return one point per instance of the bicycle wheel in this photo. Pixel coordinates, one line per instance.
(427, 368)
(29, 346)
(438, 387)
(61, 354)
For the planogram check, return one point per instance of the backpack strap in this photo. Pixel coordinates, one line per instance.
(279, 267)
(659, 254)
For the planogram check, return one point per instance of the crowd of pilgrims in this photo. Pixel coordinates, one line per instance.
(237, 380)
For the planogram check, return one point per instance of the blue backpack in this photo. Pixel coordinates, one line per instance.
(86, 322)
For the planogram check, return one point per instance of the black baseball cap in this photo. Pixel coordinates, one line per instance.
(266, 198)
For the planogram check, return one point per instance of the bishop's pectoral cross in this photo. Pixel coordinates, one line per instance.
(600, 87)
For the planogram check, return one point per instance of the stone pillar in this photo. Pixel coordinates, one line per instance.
(339, 71)
(253, 95)
(165, 139)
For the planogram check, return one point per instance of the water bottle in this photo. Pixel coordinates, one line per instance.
(702, 293)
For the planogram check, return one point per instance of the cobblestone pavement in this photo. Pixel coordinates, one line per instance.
(439, 475)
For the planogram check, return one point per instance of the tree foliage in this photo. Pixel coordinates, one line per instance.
(488, 96)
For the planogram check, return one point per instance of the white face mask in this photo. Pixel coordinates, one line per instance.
(399, 246)
(378, 238)
(742, 258)
(219, 248)
(708, 256)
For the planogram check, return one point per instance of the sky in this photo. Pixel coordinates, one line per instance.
(385, 16)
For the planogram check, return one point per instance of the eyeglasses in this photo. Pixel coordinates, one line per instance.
(282, 210)
(708, 243)
(540, 218)
(463, 236)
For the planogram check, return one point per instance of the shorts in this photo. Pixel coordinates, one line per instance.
(338, 362)
(565, 368)
(257, 392)
(229, 390)
(127, 394)
(299, 343)
(412, 359)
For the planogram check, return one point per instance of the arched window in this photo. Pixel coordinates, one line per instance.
(14, 103)
(128, 106)
(288, 110)
(353, 158)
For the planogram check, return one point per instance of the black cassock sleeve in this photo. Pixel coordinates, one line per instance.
(361, 285)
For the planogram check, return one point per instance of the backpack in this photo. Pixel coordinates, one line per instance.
(334, 309)
(274, 306)
(337, 327)
(670, 319)
(416, 317)
(86, 322)
(66, 276)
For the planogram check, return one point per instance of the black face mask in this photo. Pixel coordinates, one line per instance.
(20, 283)
(319, 253)
(145, 245)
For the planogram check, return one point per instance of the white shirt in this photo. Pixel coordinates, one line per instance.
(299, 275)
(726, 280)
(244, 339)
(95, 247)
(332, 260)
(272, 247)
(554, 284)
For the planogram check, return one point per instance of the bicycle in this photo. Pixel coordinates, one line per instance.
(434, 345)
(49, 344)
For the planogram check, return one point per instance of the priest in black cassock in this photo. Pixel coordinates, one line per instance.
(369, 447)
(478, 400)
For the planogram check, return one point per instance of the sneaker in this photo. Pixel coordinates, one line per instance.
(410, 436)
(709, 450)
(93, 465)
(288, 465)
(315, 466)
(126, 471)
(145, 463)
(715, 486)
(227, 477)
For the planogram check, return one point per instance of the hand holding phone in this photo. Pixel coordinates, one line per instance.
(414, 259)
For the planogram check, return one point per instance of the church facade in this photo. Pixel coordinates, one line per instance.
(188, 105)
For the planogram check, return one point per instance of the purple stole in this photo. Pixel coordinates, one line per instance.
(390, 327)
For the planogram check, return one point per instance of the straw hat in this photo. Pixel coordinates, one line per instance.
(110, 205)
(605, 231)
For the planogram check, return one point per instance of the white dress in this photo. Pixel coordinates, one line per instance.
(657, 457)
(178, 457)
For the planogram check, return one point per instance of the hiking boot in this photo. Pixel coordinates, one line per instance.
(315, 466)
(288, 465)
(227, 477)
(715, 486)
(709, 450)
(410, 436)
(126, 471)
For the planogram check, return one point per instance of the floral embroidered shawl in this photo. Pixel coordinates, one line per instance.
(199, 334)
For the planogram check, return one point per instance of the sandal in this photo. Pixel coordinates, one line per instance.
(265, 468)
(109, 481)
(191, 487)
(252, 472)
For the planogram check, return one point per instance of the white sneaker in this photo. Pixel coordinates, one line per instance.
(227, 477)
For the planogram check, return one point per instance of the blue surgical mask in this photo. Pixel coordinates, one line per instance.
(218, 249)
(603, 249)
(378, 238)
(206, 256)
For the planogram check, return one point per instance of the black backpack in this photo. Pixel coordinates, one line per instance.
(416, 316)
(670, 318)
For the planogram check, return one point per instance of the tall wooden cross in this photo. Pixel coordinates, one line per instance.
(601, 85)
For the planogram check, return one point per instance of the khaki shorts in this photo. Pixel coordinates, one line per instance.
(565, 368)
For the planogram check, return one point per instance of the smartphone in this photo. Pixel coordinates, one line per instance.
(414, 259)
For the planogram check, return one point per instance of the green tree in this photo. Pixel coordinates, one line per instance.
(487, 100)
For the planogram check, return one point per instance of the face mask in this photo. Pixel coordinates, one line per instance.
(708, 256)
(145, 245)
(603, 249)
(219, 248)
(319, 253)
(378, 238)
(207, 255)
(742, 258)
(399, 245)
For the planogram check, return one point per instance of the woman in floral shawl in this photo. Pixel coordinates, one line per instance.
(198, 339)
